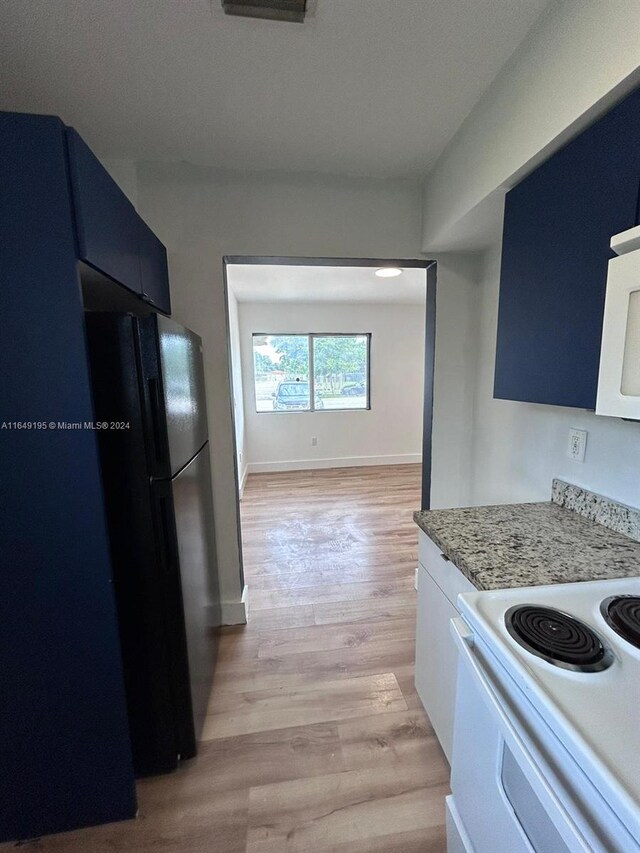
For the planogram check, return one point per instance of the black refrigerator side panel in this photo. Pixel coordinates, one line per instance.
(170, 579)
(193, 508)
(172, 387)
(137, 557)
(153, 415)
(183, 390)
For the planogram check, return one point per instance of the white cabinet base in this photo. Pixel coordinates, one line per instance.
(436, 654)
(436, 658)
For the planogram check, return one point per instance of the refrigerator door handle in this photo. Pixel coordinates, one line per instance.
(153, 385)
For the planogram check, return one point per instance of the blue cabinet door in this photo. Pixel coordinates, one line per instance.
(66, 756)
(107, 224)
(154, 274)
(557, 227)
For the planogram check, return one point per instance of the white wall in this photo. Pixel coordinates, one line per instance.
(579, 57)
(454, 380)
(237, 389)
(390, 433)
(203, 214)
(519, 447)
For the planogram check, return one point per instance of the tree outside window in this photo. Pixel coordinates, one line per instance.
(311, 372)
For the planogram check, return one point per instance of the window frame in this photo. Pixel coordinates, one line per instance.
(312, 382)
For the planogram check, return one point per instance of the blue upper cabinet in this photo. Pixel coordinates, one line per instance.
(111, 236)
(106, 222)
(557, 227)
(154, 273)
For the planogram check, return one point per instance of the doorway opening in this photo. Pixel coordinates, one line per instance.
(331, 365)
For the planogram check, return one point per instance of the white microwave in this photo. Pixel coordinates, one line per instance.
(619, 374)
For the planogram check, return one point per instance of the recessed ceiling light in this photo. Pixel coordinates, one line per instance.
(388, 272)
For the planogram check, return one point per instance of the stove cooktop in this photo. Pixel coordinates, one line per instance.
(595, 712)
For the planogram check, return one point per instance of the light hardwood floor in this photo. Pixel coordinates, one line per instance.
(315, 739)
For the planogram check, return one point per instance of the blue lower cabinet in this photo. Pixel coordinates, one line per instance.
(558, 224)
(65, 754)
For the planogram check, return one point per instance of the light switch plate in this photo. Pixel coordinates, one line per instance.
(577, 444)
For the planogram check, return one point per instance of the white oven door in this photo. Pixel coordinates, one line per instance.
(513, 785)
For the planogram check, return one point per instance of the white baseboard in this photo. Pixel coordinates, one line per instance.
(243, 480)
(236, 612)
(338, 462)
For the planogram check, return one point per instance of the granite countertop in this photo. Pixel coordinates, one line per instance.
(531, 544)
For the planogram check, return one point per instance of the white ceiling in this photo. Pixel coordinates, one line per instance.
(273, 283)
(368, 87)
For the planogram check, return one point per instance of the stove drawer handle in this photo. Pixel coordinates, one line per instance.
(518, 740)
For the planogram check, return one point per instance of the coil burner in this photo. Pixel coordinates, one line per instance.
(558, 638)
(622, 613)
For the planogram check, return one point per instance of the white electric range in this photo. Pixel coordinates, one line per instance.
(546, 755)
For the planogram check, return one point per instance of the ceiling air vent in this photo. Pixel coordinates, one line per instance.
(273, 10)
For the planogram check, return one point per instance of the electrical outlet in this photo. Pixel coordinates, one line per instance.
(314, 442)
(577, 444)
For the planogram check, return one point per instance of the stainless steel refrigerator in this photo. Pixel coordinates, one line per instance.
(151, 424)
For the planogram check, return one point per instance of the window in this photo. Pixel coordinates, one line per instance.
(313, 372)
